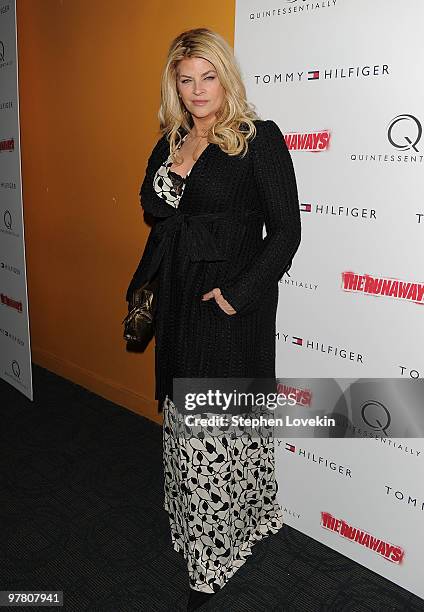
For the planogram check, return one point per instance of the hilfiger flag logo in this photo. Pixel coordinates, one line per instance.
(290, 447)
(389, 287)
(313, 75)
(7, 145)
(303, 396)
(392, 553)
(305, 207)
(315, 142)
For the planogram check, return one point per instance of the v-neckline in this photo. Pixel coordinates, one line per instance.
(186, 177)
(187, 180)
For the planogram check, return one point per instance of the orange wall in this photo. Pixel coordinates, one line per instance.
(89, 75)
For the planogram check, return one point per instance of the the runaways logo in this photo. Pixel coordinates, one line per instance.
(303, 396)
(314, 142)
(392, 553)
(390, 287)
(8, 301)
(7, 145)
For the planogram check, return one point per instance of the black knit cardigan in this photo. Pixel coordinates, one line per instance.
(214, 239)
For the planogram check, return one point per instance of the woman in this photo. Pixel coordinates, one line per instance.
(217, 174)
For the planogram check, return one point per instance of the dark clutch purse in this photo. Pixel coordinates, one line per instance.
(139, 324)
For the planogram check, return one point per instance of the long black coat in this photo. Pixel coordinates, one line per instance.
(214, 239)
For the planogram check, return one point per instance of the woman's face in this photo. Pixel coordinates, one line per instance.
(197, 80)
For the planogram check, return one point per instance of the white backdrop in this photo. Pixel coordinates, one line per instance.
(15, 348)
(343, 80)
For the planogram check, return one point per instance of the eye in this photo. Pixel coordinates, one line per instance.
(188, 80)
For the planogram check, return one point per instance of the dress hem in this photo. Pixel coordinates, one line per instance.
(257, 535)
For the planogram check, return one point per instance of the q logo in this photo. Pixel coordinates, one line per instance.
(7, 219)
(407, 134)
(16, 369)
(376, 416)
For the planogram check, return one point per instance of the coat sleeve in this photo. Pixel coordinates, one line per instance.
(138, 277)
(276, 185)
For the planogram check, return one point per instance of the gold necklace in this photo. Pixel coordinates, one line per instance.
(195, 148)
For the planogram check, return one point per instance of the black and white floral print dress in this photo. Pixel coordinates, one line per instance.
(220, 492)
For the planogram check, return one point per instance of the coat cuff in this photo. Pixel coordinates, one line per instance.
(238, 298)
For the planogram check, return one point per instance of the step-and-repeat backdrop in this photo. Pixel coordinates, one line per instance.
(343, 80)
(15, 348)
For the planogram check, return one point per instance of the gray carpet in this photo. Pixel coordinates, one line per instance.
(81, 511)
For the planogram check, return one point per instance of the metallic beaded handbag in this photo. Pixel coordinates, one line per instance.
(139, 323)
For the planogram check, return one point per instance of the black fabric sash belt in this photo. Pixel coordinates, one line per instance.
(198, 240)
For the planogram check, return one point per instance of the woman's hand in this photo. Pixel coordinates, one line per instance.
(220, 300)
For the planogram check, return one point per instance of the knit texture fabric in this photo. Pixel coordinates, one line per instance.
(214, 239)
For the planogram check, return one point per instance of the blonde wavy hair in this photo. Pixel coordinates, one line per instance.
(228, 131)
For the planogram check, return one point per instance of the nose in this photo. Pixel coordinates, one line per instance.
(197, 88)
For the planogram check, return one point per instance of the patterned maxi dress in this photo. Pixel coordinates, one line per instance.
(220, 492)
